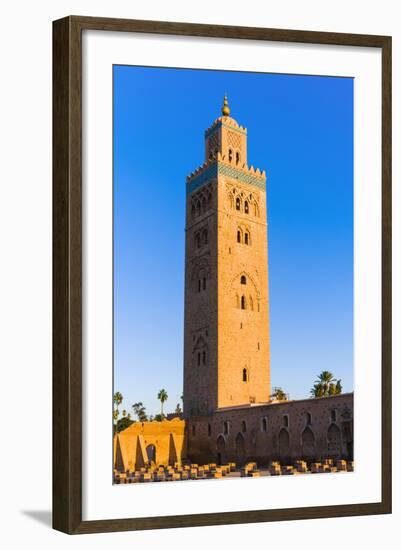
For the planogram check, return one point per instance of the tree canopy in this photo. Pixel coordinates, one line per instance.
(326, 385)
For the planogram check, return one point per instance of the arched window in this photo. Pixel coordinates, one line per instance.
(193, 211)
(308, 419)
(243, 302)
(244, 375)
(243, 280)
(243, 426)
(285, 421)
(225, 428)
(230, 155)
(333, 415)
(198, 208)
(250, 303)
(238, 203)
(203, 357)
(246, 207)
(199, 285)
(246, 238)
(238, 236)
(204, 204)
(237, 157)
(205, 236)
(204, 283)
(209, 430)
(264, 424)
(197, 240)
(209, 200)
(256, 209)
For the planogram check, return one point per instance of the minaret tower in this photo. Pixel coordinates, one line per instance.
(226, 327)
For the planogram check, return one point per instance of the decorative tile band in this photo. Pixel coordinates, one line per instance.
(234, 173)
(223, 170)
(198, 181)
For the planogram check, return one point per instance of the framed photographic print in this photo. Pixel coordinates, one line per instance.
(222, 275)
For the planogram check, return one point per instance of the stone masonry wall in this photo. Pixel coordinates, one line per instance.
(310, 429)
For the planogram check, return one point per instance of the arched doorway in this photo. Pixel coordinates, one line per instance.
(334, 441)
(284, 443)
(240, 448)
(308, 443)
(151, 452)
(221, 447)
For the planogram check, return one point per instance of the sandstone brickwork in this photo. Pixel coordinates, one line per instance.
(226, 327)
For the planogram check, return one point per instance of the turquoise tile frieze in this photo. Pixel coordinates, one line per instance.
(223, 170)
(198, 181)
(234, 173)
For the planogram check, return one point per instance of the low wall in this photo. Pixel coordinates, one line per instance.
(310, 429)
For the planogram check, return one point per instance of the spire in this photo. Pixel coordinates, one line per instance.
(225, 110)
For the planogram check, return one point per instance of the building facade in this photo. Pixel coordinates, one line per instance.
(307, 429)
(150, 442)
(226, 328)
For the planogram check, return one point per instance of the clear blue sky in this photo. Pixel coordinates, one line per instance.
(300, 130)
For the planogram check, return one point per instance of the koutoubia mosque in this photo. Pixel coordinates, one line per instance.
(228, 413)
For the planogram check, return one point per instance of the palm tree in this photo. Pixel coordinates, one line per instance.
(335, 389)
(326, 385)
(279, 395)
(162, 396)
(325, 378)
(316, 391)
(118, 399)
(115, 418)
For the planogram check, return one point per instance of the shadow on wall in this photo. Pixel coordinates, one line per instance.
(40, 516)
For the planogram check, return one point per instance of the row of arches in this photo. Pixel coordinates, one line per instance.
(234, 156)
(201, 238)
(244, 203)
(285, 421)
(308, 442)
(200, 352)
(200, 274)
(243, 235)
(201, 202)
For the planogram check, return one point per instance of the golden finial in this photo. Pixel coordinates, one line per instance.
(225, 111)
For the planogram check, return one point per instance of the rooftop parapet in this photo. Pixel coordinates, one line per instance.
(220, 166)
